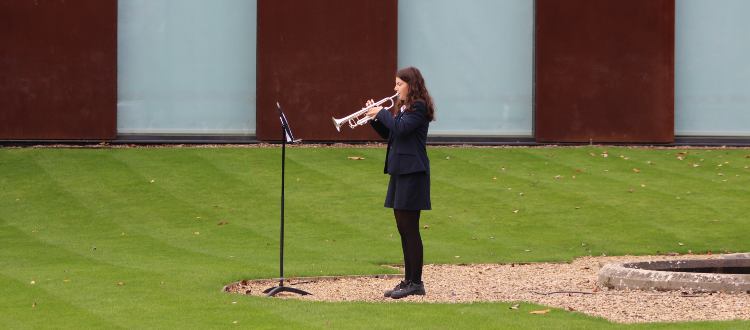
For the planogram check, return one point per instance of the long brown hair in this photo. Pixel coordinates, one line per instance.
(417, 90)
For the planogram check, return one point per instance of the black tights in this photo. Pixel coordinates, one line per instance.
(411, 242)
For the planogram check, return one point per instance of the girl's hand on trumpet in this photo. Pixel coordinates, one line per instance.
(373, 111)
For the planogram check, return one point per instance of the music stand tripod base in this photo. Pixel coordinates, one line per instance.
(270, 292)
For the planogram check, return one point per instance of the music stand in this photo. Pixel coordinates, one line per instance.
(286, 137)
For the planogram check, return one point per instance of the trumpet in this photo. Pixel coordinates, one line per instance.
(352, 119)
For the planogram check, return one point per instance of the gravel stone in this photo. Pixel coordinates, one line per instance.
(518, 282)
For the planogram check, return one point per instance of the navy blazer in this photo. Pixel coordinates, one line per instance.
(407, 139)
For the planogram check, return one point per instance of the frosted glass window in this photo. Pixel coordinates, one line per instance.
(186, 67)
(476, 58)
(712, 68)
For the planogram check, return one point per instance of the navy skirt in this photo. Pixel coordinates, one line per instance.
(409, 192)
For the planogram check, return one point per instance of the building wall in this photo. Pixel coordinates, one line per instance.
(555, 71)
(605, 71)
(186, 67)
(58, 69)
(323, 59)
(712, 71)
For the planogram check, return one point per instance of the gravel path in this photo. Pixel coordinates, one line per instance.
(461, 283)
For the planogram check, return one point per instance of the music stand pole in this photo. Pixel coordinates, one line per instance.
(270, 292)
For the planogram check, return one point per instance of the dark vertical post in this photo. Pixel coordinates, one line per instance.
(283, 170)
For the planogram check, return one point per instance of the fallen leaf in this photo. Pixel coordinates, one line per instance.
(458, 257)
(32, 282)
(715, 220)
(643, 185)
(222, 223)
(680, 244)
(521, 194)
(495, 178)
(121, 283)
(197, 233)
(540, 312)
(355, 158)
(66, 281)
(516, 211)
(514, 306)
(626, 158)
(592, 154)
(571, 309)
(197, 217)
(678, 198)
(297, 179)
(447, 158)
(528, 250)
(636, 170)
(33, 305)
(255, 165)
(576, 171)
(234, 322)
(630, 189)
(152, 181)
(426, 226)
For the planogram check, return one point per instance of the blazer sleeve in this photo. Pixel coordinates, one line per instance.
(383, 131)
(409, 121)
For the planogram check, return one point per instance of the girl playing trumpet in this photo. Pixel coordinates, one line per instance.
(407, 163)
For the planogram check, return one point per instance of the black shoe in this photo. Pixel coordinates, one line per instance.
(410, 289)
(398, 287)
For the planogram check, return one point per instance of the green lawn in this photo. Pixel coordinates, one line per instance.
(78, 222)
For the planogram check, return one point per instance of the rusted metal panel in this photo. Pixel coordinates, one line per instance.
(323, 59)
(605, 71)
(58, 69)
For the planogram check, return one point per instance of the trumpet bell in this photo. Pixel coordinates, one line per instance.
(338, 123)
